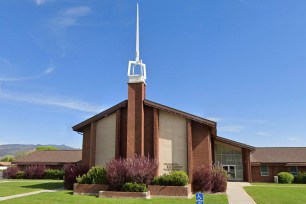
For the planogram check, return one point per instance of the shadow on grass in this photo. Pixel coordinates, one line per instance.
(45, 186)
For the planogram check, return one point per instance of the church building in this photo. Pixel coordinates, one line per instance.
(178, 140)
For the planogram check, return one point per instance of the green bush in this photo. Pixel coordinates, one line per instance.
(300, 177)
(285, 177)
(134, 187)
(175, 178)
(96, 175)
(20, 175)
(55, 174)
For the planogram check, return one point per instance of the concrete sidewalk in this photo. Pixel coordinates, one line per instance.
(237, 195)
(28, 194)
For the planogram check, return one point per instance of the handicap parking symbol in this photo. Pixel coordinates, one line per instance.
(199, 198)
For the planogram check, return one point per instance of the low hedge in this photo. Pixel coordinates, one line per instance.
(285, 177)
(55, 174)
(96, 175)
(175, 178)
(134, 187)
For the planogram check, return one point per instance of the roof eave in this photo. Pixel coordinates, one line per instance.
(80, 127)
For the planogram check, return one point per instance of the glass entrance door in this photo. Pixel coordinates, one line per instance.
(231, 171)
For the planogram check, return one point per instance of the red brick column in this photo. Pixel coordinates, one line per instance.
(189, 151)
(246, 165)
(156, 135)
(135, 119)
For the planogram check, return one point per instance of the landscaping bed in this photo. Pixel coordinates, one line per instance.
(170, 191)
(89, 189)
(118, 194)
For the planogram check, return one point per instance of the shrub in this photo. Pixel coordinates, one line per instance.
(175, 178)
(285, 177)
(202, 179)
(71, 172)
(10, 172)
(137, 169)
(140, 170)
(218, 179)
(55, 174)
(34, 172)
(300, 177)
(96, 175)
(134, 187)
(20, 175)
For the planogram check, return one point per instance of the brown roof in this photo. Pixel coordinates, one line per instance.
(234, 143)
(80, 127)
(279, 155)
(51, 157)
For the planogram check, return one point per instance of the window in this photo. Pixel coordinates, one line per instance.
(264, 171)
(293, 170)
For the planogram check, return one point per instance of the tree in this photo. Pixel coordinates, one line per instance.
(8, 158)
(43, 148)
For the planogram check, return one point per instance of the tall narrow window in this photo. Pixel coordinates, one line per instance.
(264, 170)
(293, 170)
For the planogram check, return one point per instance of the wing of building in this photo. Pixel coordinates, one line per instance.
(267, 162)
(52, 159)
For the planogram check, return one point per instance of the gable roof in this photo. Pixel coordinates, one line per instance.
(279, 155)
(180, 113)
(80, 127)
(51, 157)
(234, 143)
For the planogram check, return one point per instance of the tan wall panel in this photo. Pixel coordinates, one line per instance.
(105, 140)
(172, 142)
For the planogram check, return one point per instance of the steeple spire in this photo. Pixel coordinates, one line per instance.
(137, 69)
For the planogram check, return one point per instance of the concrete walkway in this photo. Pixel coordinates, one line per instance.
(237, 195)
(28, 194)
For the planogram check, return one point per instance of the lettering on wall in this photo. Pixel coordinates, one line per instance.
(172, 167)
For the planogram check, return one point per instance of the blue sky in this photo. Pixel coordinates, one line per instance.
(240, 63)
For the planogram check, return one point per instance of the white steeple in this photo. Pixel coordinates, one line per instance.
(137, 69)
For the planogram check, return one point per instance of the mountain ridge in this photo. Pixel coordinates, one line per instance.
(14, 148)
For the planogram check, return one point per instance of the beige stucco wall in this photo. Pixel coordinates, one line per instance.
(172, 142)
(105, 140)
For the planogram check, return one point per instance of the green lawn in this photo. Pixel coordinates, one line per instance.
(277, 193)
(13, 187)
(61, 197)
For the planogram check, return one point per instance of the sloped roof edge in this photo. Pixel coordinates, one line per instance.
(232, 142)
(79, 127)
(181, 113)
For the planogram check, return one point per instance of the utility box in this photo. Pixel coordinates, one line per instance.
(275, 179)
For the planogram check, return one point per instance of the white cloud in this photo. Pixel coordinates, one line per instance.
(39, 2)
(231, 128)
(70, 16)
(293, 139)
(49, 70)
(53, 101)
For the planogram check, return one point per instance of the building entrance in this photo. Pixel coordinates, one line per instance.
(231, 171)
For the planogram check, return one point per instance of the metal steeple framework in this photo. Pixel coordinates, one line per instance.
(137, 69)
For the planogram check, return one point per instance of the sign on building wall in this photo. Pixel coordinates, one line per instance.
(169, 167)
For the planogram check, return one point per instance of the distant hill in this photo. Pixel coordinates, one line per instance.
(13, 148)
